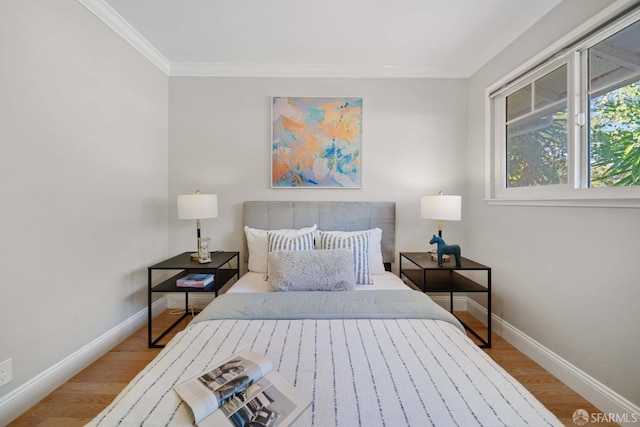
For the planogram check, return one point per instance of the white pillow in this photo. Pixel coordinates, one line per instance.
(376, 265)
(359, 245)
(330, 270)
(257, 244)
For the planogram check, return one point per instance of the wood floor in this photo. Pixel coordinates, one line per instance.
(85, 395)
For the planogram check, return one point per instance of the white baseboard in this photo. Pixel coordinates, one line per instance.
(176, 301)
(601, 396)
(33, 391)
(459, 302)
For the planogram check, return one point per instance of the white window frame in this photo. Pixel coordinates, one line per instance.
(575, 192)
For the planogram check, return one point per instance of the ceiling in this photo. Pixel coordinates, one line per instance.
(332, 38)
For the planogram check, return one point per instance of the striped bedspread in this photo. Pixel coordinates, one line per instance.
(368, 372)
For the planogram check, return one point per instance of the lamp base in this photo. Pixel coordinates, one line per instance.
(195, 257)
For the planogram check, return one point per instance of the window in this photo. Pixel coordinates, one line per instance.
(614, 109)
(570, 128)
(536, 126)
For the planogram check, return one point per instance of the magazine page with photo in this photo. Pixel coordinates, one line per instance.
(211, 389)
(247, 392)
(269, 402)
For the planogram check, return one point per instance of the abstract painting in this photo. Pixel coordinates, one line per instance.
(316, 142)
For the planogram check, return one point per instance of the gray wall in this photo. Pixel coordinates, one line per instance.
(565, 276)
(414, 136)
(83, 181)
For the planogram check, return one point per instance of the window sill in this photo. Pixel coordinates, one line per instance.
(595, 201)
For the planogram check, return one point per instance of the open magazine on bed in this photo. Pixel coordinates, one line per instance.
(242, 391)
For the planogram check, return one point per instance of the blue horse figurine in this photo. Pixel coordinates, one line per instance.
(443, 248)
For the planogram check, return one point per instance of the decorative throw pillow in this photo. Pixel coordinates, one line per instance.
(258, 245)
(376, 264)
(319, 270)
(277, 241)
(359, 245)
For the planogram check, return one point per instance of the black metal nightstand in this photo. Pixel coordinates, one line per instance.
(427, 276)
(188, 266)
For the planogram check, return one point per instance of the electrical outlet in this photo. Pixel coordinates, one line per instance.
(5, 372)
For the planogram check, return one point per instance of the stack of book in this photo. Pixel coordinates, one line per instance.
(194, 281)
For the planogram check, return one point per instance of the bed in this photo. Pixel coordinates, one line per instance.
(376, 353)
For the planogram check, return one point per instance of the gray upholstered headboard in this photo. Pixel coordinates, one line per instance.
(330, 216)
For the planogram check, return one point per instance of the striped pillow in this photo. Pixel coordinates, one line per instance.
(359, 245)
(281, 242)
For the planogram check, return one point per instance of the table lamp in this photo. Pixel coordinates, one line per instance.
(197, 206)
(441, 208)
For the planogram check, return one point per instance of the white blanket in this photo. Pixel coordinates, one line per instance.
(369, 372)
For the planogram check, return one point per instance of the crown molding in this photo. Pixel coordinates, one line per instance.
(120, 26)
(106, 14)
(313, 70)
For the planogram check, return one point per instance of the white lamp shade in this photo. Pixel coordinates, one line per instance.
(197, 206)
(441, 207)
